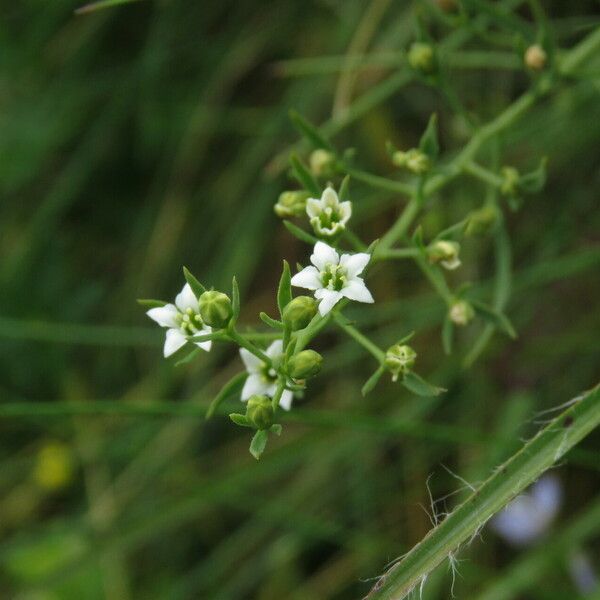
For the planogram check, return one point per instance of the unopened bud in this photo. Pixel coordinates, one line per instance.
(421, 57)
(535, 57)
(291, 204)
(482, 220)
(510, 181)
(305, 364)
(259, 412)
(299, 312)
(215, 309)
(444, 252)
(322, 163)
(461, 312)
(399, 360)
(414, 160)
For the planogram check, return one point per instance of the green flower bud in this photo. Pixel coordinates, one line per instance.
(259, 412)
(322, 163)
(215, 309)
(421, 57)
(291, 204)
(444, 252)
(535, 57)
(305, 364)
(399, 360)
(461, 312)
(299, 312)
(482, 220)
(414, 160)
(510, 181)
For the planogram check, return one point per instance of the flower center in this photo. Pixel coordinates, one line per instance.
(189, 322)
(329, 217)
(334, 277)
(268, 374)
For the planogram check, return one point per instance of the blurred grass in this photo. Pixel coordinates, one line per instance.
(139, 138)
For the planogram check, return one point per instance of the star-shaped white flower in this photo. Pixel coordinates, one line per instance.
(333, 277)
(262, 379)
(182, 319)
(328, 216)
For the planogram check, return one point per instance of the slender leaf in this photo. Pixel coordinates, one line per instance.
(284, 291)
(235, 301)
(304, 176)
(196, 286)
(429, 140)
(259, 443)
(239, 419)
(302, 235)
(417, 385)
(274, 323)
(148, 303)
(310, 132)
(229, 389)
(372, 381)
(344, 188)
(497, 318)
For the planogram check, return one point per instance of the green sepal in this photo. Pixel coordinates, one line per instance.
(259, 443)
(196, 286)
(227, 390)
(371, 249)
(453, 232)
(149, 303)
(310, 132)
(447, 335)
(372, 381)
(235, 301)
(406, 338)
(239, 419)
(534, 181)
(303, 175)
(274, 323)
(429, 140)
(284, 291)
(417, 239)
(276, 429)
(495, 317)
(417, 385)
(189, 357)
(299, 233)
(343, 193)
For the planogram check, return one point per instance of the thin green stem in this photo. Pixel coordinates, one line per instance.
(538, 455)
(436, 278)
(365, 342)
(482, 173)
(248, 345)
(397, 253)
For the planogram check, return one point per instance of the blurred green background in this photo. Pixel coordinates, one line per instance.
(136, 139)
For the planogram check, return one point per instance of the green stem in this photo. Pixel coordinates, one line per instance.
(248, 345)
(538, 455)
(383, 183)
(482, 173)
(436, 278)
(278, 393)
(397, 253)
(365, 342)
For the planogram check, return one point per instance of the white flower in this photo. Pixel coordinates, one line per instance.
(182, 320)
(328, 216)
(262, 379)
(333, 277)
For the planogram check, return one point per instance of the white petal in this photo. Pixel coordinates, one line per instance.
(165, 315)
(308, 278)
(329, 299)
(174, 340)
(255, 384)
(252, 363)
(186, 299)
(355, 263)
(286, 399)
(313, 207)
(329, 197)
(345, 211)
(451, 264)
(357, 290)
(323, 255)
(205, 345)
(275, 350)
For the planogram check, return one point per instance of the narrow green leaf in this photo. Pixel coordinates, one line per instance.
(417, 238)
(429, 140)
(196, 286)
(148, 303)
(534, 181)
(417, 385)
(302, 235)
(239, 419)
(344, 188)
(497, 318)
(284, 291)
(406, 338)
(453, 232)
(259, 443)
(235, 301)
(310, 132)
(372, 381)
(304, 176)
(274, 323)
(229, 389)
